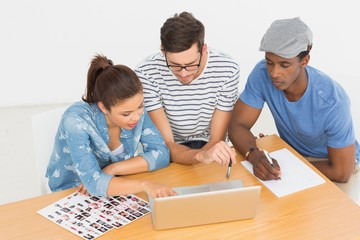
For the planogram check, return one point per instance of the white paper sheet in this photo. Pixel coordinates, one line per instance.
(295, 175)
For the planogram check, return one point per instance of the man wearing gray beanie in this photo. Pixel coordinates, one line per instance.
(311, 111)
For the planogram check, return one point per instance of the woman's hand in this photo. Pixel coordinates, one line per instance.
(157, 190)
(82, 189)
(153, 189)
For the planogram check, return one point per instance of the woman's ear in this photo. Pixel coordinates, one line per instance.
(102, 108)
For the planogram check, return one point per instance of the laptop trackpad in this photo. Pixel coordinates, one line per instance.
(209, 187)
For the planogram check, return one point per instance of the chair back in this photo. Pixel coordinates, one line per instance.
(44, 126)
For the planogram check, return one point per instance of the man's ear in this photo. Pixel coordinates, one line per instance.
(305, 61)
(204, 48)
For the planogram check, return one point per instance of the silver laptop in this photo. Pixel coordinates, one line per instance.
(205, 204)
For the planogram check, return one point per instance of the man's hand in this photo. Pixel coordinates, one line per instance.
(262, 167)
(220, 153)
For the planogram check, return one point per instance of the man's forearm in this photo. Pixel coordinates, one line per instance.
(184, 155)
(332, 173)
(242, 141)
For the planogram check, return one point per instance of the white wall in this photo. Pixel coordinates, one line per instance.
(46, 45)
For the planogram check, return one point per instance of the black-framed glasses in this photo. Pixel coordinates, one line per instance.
(188, 68)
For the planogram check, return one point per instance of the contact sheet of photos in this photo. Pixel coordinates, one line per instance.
(91, 216)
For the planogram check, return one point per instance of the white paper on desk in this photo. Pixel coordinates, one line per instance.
(295, 174)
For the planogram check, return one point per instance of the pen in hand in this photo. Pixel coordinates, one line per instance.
(229, 169)
(268, 157)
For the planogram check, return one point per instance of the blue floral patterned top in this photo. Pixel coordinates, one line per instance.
(81, 151)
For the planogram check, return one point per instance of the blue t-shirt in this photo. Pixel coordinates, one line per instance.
(81, 151)
(320, 118)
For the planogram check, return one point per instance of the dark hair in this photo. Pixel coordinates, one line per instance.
(304, 53)
(110, 84)
(180, 32)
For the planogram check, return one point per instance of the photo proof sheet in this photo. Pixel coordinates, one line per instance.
(295, 174)
(91, 216)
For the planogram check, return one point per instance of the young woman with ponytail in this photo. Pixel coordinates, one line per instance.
(99, 137)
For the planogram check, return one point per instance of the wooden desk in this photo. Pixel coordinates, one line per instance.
(321, 212)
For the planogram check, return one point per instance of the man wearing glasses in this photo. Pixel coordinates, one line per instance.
(190, 92)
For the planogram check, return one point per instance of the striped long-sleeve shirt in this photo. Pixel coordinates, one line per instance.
(189, 108)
